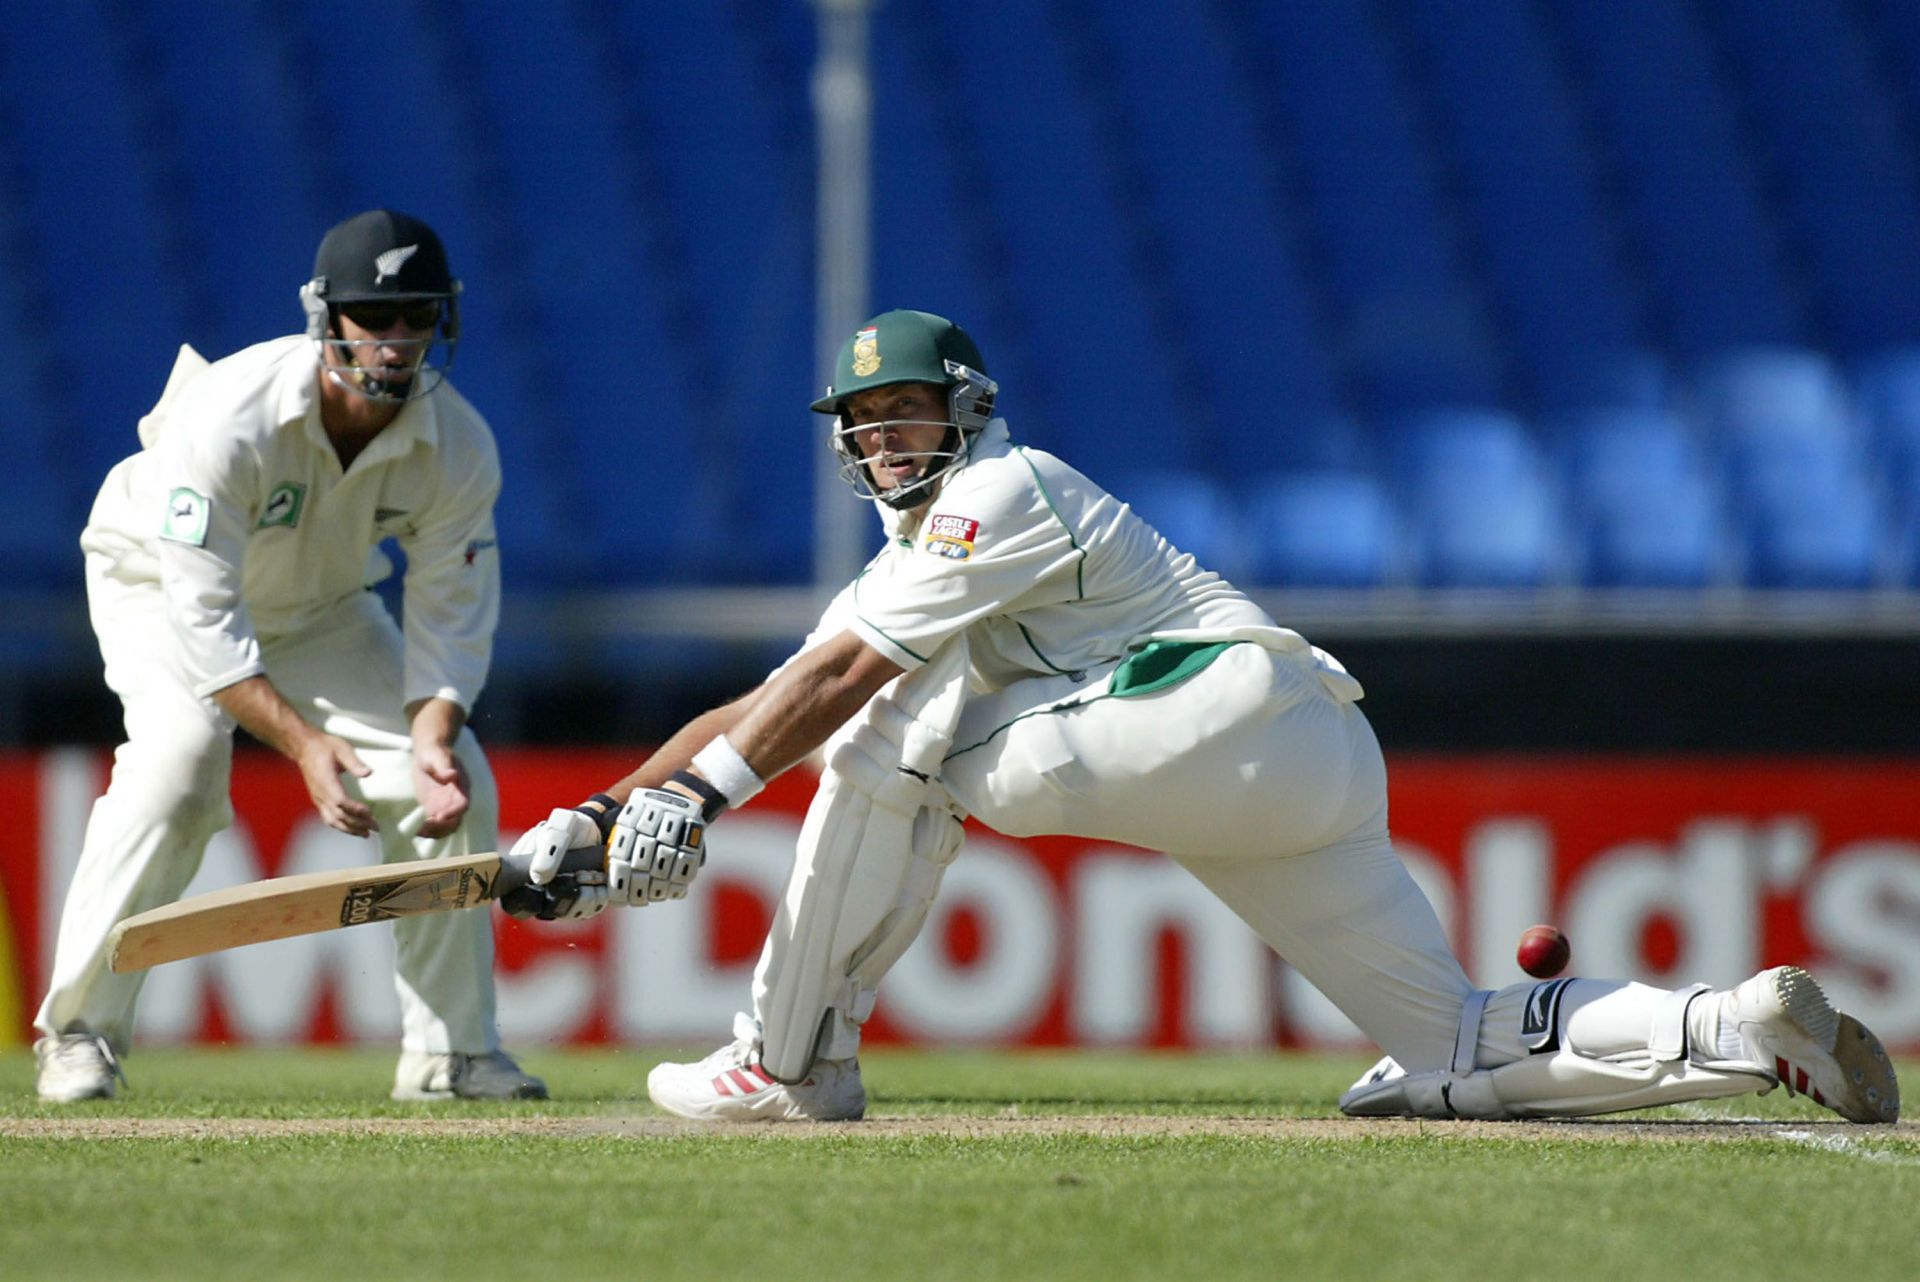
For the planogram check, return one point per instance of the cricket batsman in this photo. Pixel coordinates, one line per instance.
(1026, 650)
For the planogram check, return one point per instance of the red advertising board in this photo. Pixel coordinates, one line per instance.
(1666, 870)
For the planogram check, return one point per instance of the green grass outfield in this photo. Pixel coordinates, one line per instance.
(294, 1165)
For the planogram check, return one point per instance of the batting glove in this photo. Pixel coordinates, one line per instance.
(575, 895)
(657, 848)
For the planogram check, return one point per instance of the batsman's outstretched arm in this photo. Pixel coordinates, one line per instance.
(801, 707)
(776, 726)
(653, 821)
(675, 754)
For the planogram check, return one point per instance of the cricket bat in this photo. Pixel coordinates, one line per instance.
(307, 903)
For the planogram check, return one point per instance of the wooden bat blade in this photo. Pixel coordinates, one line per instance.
(301, 905)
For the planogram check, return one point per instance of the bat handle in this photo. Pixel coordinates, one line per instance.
(515, 889)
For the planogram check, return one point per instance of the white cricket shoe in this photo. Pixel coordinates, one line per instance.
(1788, 1025)
(75, 1067)
(423, 1075)
(731, 1086)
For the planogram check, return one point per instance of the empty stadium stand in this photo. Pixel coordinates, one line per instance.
(1355, 294)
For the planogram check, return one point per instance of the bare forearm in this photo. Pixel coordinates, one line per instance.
(435, 722)
(263, 713)
(677, 751)
(778, 725)
(799, 714)
(813, 697)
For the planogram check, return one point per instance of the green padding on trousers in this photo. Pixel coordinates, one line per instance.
(1160, 664)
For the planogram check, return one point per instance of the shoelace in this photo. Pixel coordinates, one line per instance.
(735, 1055)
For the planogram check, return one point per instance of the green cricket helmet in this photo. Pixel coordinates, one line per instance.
(909, 347)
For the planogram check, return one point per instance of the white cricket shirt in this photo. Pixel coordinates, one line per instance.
(240, 510)
(1045, 571)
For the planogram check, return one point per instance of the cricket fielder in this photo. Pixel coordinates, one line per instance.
(1028, 651)
(228, 565)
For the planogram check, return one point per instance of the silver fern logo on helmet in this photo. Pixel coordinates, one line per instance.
(390, 263)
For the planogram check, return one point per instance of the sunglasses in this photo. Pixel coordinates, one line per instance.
(378, 318)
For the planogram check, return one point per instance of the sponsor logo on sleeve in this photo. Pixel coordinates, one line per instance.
(188, 512)
(477, 546)
(283, 506)
(951, 536)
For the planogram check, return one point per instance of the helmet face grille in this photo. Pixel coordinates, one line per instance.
(969, 410)
(381, 256)
(342, 358)
(909, 347)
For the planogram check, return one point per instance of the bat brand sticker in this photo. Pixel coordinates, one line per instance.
(951, 536)
(283, 506)
(410, 896)
(187, 514)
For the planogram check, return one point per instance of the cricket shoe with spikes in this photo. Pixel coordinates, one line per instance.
(424, 1075)
(74, 1067)
(1788, 1026)
(731, 1085)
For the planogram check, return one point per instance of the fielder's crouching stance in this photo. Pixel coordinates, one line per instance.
(1028, 651)
(228, 567)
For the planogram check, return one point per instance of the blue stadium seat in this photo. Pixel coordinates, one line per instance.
(1242, 307)
(1442, 444)
(1607, 455)
(1665, 532)
(1887, 393)
(1828, 116)
(1484, 512)
(1322, 530)
(1080, 283)
(1640, 492)
(1411, 329)
(1482, 532)
(1191, 509)
(39, 525)
(100, 244)
(1772, 473)
(1508, 120)
(1667, 121)
(1771, 391)
(1832, 542)
(1576, 382)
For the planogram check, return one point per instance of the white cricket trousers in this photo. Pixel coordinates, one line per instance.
(1264, 784)
(169, 795)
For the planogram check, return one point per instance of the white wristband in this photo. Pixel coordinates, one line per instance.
(723, 766)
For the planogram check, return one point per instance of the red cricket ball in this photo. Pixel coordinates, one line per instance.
(1544, 952)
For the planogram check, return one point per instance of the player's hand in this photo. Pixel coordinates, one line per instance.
(657, 848)
(549, 840)
(568, 897)
(322, 759)
(440, 786)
